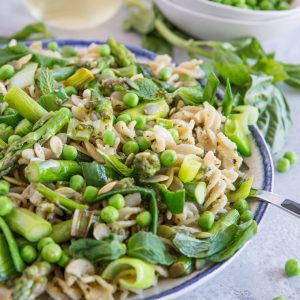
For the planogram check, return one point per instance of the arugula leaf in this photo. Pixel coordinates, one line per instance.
(231, 66)
(148, 247)
(211, 87)
(46, 81)
(275, 117)
(190, 246)
(35, 31)
(148, 90)
(94, 250)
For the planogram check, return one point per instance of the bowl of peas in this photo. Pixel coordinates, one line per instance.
(211, 20)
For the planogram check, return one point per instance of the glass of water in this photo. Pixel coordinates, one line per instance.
(73, 14)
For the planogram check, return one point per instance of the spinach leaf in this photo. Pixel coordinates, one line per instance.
(244, 233)
(148, 247)
(231, 66)
(275, 117)
(211, 87)
(190, 246)
(46, 81)
(35, 31)
(227, 102)
(147, 89)
(94, 250)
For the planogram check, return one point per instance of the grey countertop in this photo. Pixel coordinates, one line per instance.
(257, 274)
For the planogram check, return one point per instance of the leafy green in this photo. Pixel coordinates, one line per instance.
(210, 90)
(147, 89)
(148, 247)
(227, 99)
(46, 81)
(94, 250)
(191, 95)
(154, 42)
(35, 31)
(190, 246)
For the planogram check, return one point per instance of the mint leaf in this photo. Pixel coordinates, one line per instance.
(46, 81)
(148, 90)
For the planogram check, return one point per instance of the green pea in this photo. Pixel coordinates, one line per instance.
(4, 187)
(140, 123)
(77, 182)
(90, 193)
(69, 152)
(125, 118)
(117, 201)
(108, 72)
(104, 50)
(168, 158)
(43, 242)
(144, 219)
(283, 6)
(6, 206)
(28, 254)
(130, 147)
(53, 46)
(206, 220)
(143, 143)
(13, 138)
(165, 74)
(64, 260)
(283, 165)
(291, 156)
(109, 138)
(7, 72)
(109, 214)
(174, 134)
(292, 268)
(51, 253)
(247, 215)
(131, 99)
(266, 5)
(71, 90)
(241, 205)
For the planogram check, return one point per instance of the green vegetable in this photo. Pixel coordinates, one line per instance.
(28, 254)
(90, 193)
(191, 95)
(53, 46)
(292, 268)
(93, 250)
(146, 164)
(43, 242)
(143, 219)
(63, 73)
(46, 81)
(7, 268)
(50, 102)
(165, 74)
(196, 191)
(69, 152)
(77, 182)
(117, 201)
(189, 168)
(51, 253)
(241, 205)
(124, 117)
(51, 170)
(104, 50)
(227, 102)
(23, 127)
(131, 100)
(61, 232)
(243, 191)
(64, 260)
(140, 123)
(174, 200)
(6, 72)
(291, 156)
(149, 248)
(10, 120)
(79, 131)
(6, 132)
(109, 138)
(182, 267)
(28, 224)
(143, 143)
(80, 78)
(12, 245)
(247, 215)
(94, 173)
(6, 206)
(210, 90)
(206, 220)
(4, 187)
(59, 199)
(71, 90)
(24, 104)
(13, 138)
(130, 147)
(190, 246)
(168, 158)
(109, 214)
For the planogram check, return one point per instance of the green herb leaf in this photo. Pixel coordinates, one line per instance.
(148, 247)
(46, 81)
(191, 95)
(227, 100)
(94, 250)
(155, 43)
(210, 90)
(190, 246)
(147, 89)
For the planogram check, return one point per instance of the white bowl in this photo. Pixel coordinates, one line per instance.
(204, 26)
(231, 12)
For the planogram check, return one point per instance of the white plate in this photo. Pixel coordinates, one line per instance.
(230, 12)
(210, 27)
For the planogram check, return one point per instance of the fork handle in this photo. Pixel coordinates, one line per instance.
(286, 204)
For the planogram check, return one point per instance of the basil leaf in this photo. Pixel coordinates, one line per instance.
(94, 250)
(231, 66)
(148, 247)
(190, 246)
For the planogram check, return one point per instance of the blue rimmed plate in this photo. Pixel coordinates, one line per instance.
(260, 165)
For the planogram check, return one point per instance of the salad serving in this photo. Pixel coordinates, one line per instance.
(115, 173)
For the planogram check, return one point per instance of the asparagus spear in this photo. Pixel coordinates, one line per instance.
(12, 152)
(33, 282)
(28, 224)
(51, 170)
(24, 104)
(59, 199)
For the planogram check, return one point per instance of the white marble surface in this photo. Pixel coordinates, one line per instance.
(257, 274)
